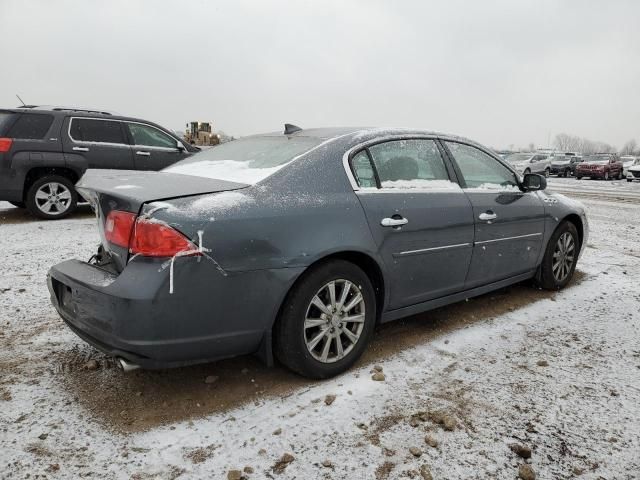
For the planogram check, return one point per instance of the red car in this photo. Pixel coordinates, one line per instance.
(600, 165)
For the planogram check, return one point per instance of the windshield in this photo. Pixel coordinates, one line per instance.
(597, 159)
(247, 160)
(518, 157)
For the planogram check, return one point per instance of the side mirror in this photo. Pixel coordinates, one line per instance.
(533, 181)
(180, 146)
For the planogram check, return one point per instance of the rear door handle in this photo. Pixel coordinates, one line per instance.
(393, 222)
(487, 216)
(80, 149)
(143, 154)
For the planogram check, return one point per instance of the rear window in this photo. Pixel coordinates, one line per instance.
(30, 126)
(247, 160)
(92, 130)
(5, 118)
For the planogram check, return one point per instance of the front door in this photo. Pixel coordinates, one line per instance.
(420, 219)
(509, 223)
(102, 143)
(152, 148)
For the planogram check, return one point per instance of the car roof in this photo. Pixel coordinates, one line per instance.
(73, 111)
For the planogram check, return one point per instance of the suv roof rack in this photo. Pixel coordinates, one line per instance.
(67, 109)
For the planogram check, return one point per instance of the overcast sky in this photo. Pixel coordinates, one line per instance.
(500, 72)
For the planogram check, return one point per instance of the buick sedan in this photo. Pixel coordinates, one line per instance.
(296, 245)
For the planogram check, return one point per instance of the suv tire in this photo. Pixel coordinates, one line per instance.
(560, 258)
(52, 197)
(304, 330)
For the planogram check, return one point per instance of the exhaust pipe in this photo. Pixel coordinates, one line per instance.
(126, 366)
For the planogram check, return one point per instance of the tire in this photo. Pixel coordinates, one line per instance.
(18, 204)
(629, 180)
(578, 177)
(55, 187)
(605, 176)
(554, 275)
(620, 176)
(547, 172)
(293, 340)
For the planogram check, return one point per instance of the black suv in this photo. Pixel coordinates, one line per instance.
(45, 150)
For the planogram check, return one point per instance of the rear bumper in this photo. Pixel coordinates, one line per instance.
(133, 316)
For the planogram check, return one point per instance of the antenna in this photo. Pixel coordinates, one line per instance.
(21, 101)
(289, 129)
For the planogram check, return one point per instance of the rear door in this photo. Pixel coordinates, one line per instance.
(101, 142)
(509, 223)
(152, 148)
(419, 216)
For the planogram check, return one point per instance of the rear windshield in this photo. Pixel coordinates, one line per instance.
(5, 118)
(31, 126)
(247, 160)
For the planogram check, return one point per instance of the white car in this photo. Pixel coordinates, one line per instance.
(530, 162)
(628, 161)
(633, 172)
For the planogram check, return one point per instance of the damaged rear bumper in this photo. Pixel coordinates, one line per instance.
(133, 316)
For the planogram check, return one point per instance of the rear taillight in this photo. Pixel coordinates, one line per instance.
(118, 227)
(155, 239)
(146, 237)
(5, 144)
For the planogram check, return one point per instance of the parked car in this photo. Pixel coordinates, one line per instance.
(300, 243)
(564, 164)
(530, 163)
(633, 172)
(600, 165)
(628, 161)
(45, 150)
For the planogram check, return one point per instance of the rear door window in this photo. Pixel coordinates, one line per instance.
(148, 136)
(410, 163)
(30, 126)
(94, 130)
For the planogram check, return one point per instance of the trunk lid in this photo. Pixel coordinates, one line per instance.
(128, 191)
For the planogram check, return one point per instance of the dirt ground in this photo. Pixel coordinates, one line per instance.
(554, 372)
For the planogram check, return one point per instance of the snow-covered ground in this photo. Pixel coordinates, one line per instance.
(558, 373)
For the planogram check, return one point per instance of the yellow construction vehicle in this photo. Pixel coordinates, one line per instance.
(201, 134)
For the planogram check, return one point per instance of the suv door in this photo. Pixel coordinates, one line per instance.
(96, 143)
(420, 219)
(153, 149)
(509, 223)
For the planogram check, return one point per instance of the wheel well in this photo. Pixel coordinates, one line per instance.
(39, 172)
(577, 221)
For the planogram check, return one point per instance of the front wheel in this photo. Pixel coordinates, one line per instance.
(560, 257)
(52, 197)
(326, 321)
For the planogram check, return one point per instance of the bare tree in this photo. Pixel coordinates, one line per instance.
(629, 148)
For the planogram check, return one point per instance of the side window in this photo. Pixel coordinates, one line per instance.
(149, 136)
(31, 126)
(363, 171)
(412, 163)
(90, 130)
(480, 170)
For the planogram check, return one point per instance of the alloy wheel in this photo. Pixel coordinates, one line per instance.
(563, 257)
(53, 198)
(334, 321)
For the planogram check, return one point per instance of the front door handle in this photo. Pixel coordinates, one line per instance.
(393, 222)
(80, 149)
(143, 154)
(488, 216)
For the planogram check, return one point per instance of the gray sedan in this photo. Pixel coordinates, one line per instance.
(298, 244)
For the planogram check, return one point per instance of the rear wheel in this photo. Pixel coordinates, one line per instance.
(18, 204)
(326, 321)
(52, 197)
(560, 257)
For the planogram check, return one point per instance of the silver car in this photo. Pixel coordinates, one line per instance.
(530, 162)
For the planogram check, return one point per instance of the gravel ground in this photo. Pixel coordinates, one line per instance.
(479, 389)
